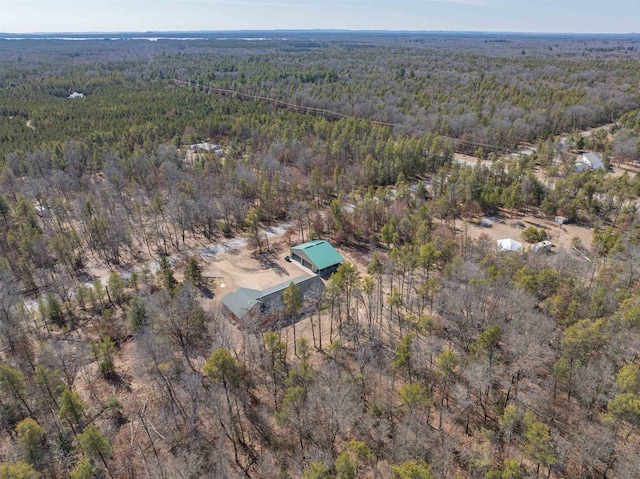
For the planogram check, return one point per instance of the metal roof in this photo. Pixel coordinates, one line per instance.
(545, 245)
(285, 285)
(594, 160)
(241, 301)
(320, 253)
(591, 156)
(205, 146)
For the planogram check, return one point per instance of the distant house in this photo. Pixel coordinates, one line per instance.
(75, 94)
(319, 256)
(207, 147)
(589, 161)
(509, 244)
(41, 210)
(261, 307)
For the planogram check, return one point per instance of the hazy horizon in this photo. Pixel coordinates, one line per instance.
(312, 30)
(482, 16)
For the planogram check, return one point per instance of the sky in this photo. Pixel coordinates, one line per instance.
(570, 16)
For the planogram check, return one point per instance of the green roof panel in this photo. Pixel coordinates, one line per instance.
(321, 253)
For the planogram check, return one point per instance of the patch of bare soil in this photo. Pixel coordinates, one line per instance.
(559, 235)
(469, 160)
(630, 169)
(243, 267)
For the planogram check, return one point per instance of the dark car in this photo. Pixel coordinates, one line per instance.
(286, 258)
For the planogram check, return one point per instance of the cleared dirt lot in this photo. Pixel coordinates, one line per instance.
(245, 268)
(560, 235)
(619, 170)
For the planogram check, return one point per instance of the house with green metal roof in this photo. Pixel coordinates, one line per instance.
(319, 256)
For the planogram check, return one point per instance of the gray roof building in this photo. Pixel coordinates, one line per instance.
(589, 160)
(267, 305)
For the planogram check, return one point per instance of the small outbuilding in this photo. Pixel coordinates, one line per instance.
(319, 256)
(589, 161)
(509, 244)
(248, 304)
(545, 245)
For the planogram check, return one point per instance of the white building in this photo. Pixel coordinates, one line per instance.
(509, 244)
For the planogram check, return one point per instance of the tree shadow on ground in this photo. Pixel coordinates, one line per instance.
(206, 291)
(268, 260)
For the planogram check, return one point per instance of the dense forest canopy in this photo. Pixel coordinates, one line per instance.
(498, 90)
(430, 355)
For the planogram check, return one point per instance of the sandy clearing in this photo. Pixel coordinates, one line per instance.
(619, 170)
(468, 160)
(244, 268)
(99, 271)
(210, 251)
(560, 235)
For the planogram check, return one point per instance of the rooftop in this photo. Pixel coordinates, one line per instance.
(542, 245)
(241, 301)
(321, 253)
(509, 244)
(204, 146)
(591, 156)
(283, 285)
(591, 159)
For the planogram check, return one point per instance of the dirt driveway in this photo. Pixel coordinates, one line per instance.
(243, 268)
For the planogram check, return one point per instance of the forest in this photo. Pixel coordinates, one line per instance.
(430, 355)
